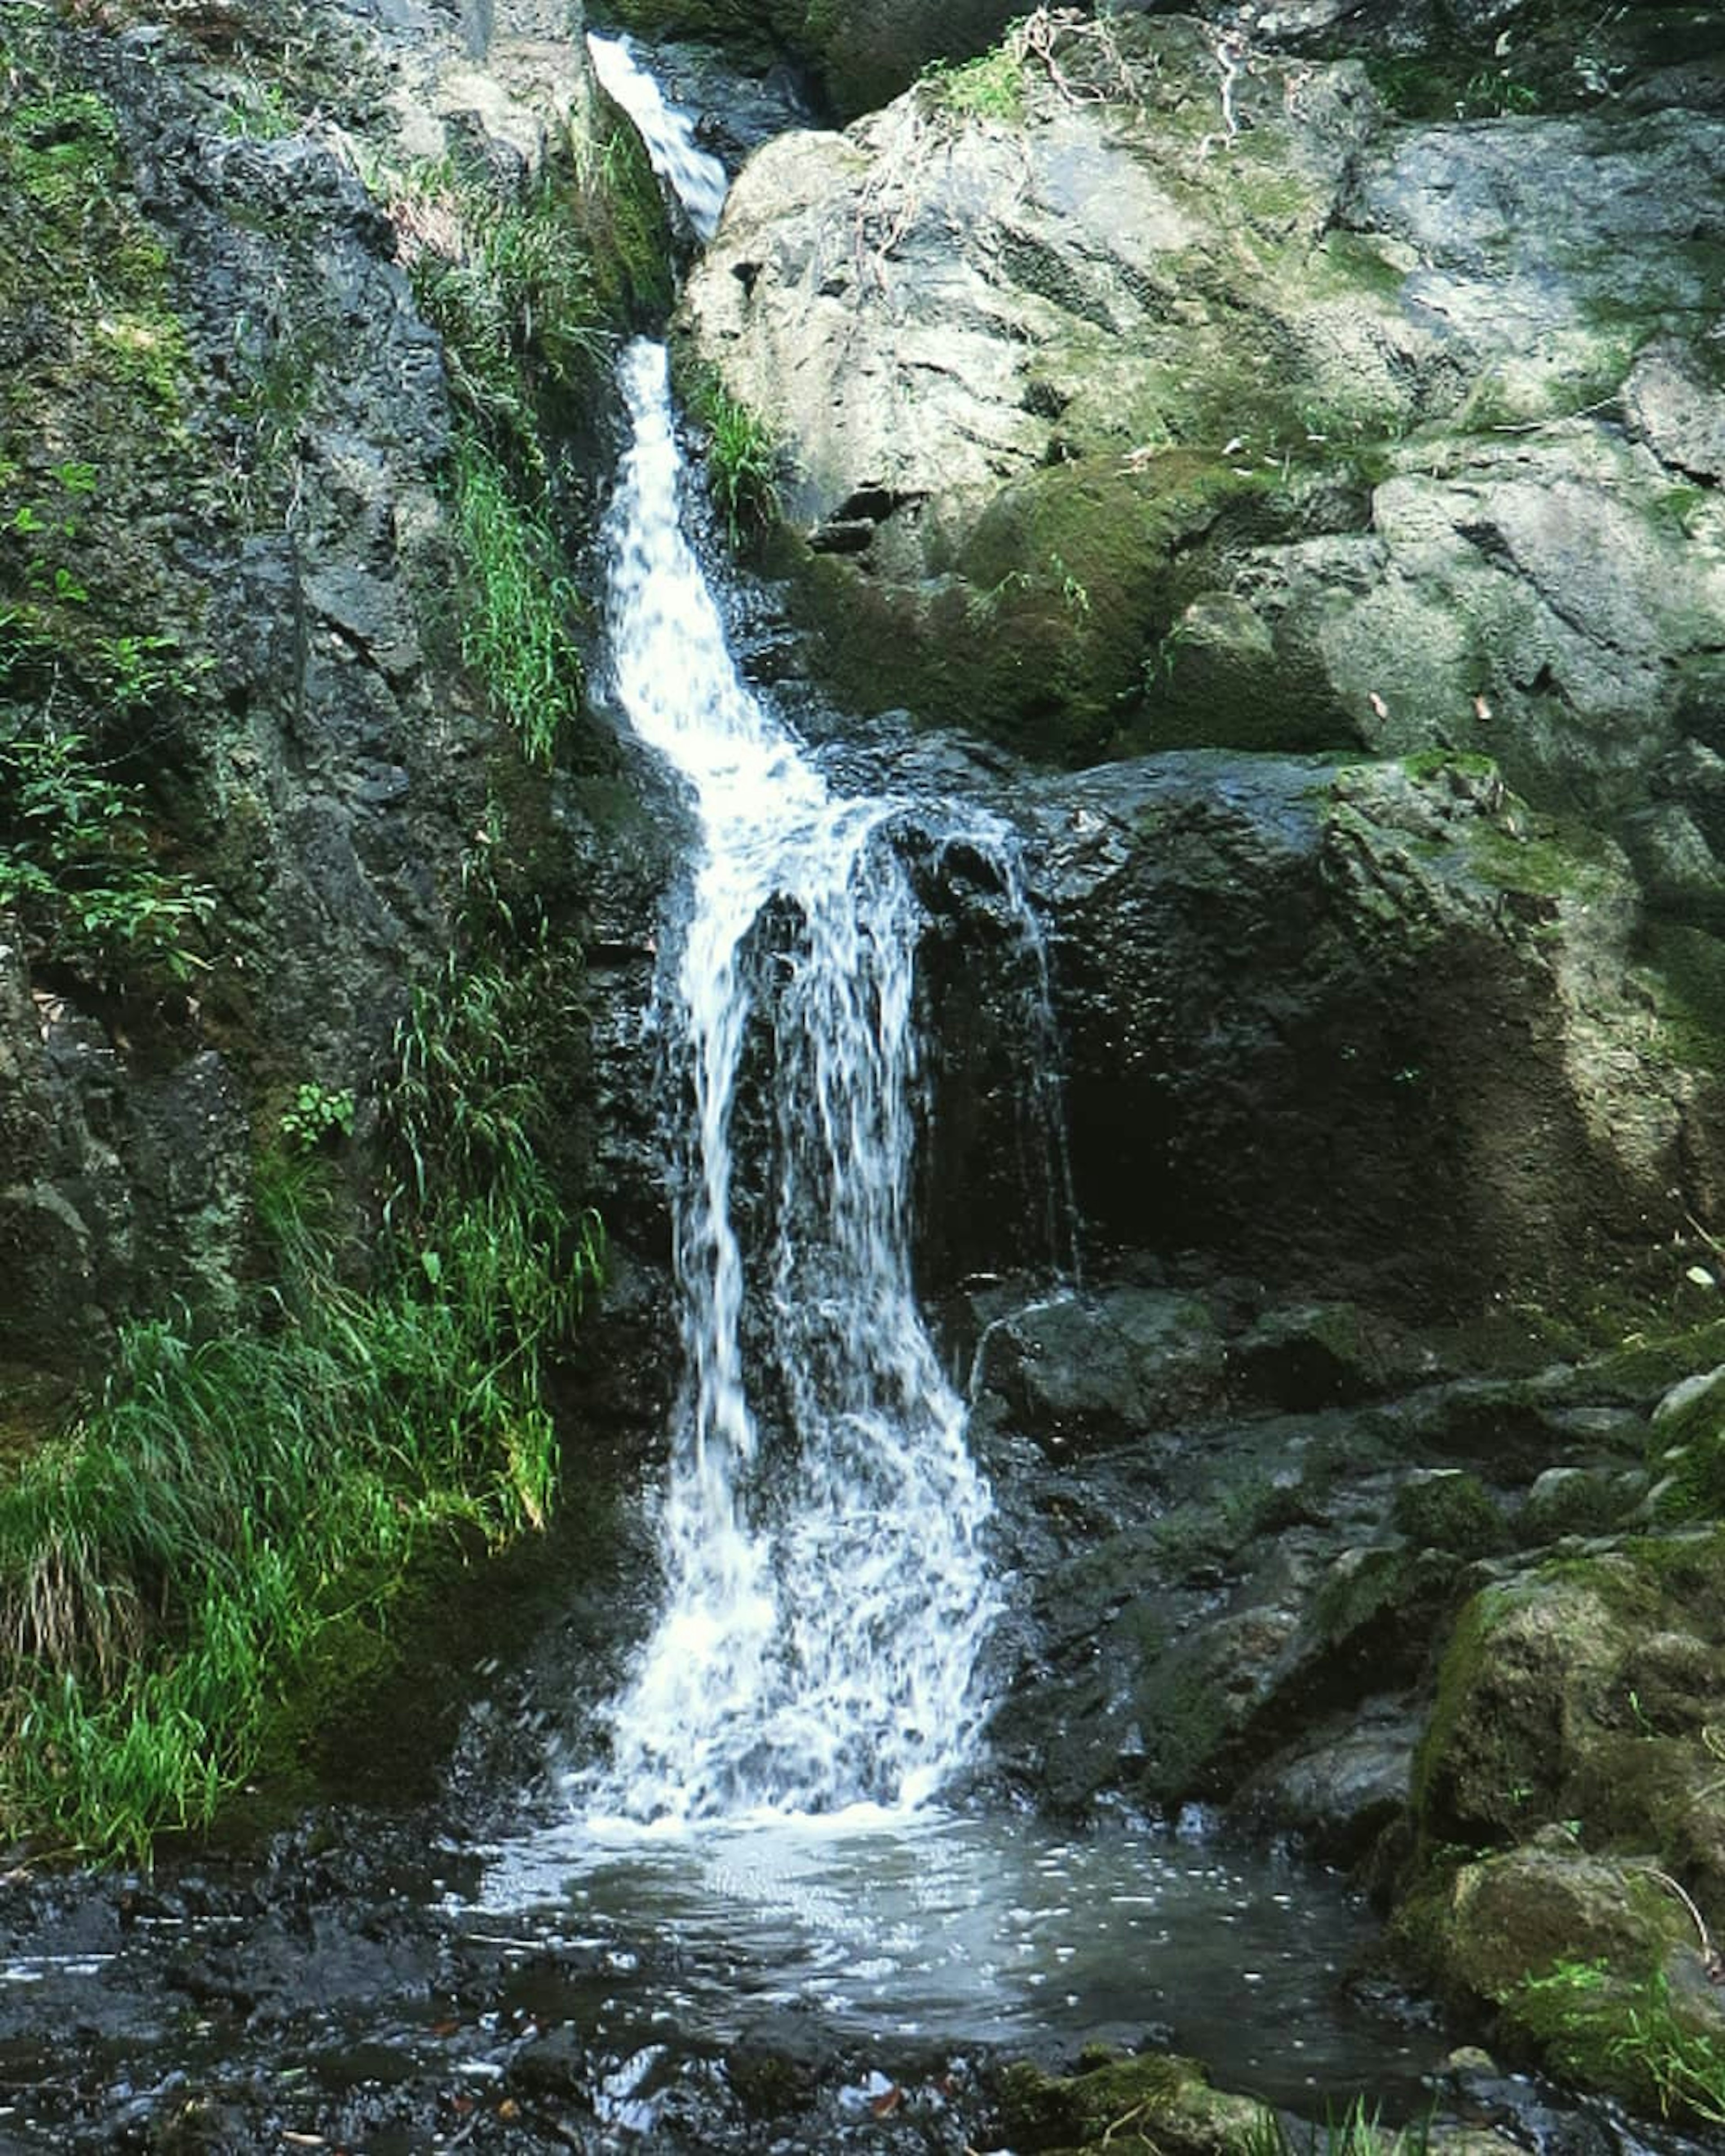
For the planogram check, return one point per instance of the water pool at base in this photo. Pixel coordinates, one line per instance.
(1000, 1932)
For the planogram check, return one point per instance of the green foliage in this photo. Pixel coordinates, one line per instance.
(510, 289)
(77, 862)
(515, 622)
(1584, 2007)
(1423, 88)
(1493, 93)
(76, 867)
(318, 1115)
(165, 1569)
(259, 111)
(991, 87)
(742, 464)
(1358, 2131)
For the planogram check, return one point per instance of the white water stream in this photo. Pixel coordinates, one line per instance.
(826, 1587)
(694, 175)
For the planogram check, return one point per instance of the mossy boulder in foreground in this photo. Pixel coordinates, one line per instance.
(1574, 1764)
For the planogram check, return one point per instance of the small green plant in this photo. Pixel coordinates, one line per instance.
(741, 465)
(1074, 593)
(318, 1114)
(76, 865)
(1158, 671)
(1357, 2131)
(259, 113)
(991, 87)
(983, 607)
(1496, 94)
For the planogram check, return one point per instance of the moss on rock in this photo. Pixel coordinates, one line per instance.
(1448, 1509)
(1593, 1968)
(1578, 1717)
(1154, 2101)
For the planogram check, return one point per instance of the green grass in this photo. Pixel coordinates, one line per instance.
(165, 1569)
(1358, 2131)
(515, 622)
(1625, 2028)
(741, 465)
(511, 290)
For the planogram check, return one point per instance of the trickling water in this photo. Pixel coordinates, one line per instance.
(827, 1589)
(695, 177)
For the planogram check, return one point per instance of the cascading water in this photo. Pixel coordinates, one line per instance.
(826, 1586)
(694, 175)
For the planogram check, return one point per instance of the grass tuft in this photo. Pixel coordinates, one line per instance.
(515, 624)
(166, 1567)
(741, 463)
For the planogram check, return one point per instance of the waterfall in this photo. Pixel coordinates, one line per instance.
(826, 1588)
(694, 175)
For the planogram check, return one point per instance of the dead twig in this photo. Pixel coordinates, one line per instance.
(1709, 1952)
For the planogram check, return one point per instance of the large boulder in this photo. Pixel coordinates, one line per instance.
(1209, 400)
(1304, 1005)
(1590, 1691)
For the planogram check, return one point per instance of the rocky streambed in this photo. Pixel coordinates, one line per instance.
(1270, 460)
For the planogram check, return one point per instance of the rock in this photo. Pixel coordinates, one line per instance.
(317, 755)
(1168, 2097)
(1301, 1004)
(861, 54)
(1582, 1691)
(1577, 1500)
(1590, 1965)
(1445, 1508)
(1336, 1788)
(1680, 416)
(1078, 1371)
(1321, 1354)
(1296, 445)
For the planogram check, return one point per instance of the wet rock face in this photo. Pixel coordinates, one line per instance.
(321, 760)
(857, 56)
(1303, 1008)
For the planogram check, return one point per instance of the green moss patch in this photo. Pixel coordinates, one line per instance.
(1151, 2102)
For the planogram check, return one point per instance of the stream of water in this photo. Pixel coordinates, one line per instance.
(821, 1534)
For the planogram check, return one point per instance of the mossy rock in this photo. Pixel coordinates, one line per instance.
(1446, 1508)
(1077, 618)
(1687, 1451)
(1589, 1967)
(1576, 1501)
(1152, 2102)
(1591, 1692)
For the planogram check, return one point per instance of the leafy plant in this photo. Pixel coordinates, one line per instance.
(1495, 93)
(317, 1114)
(75, 860)
(991, 87)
